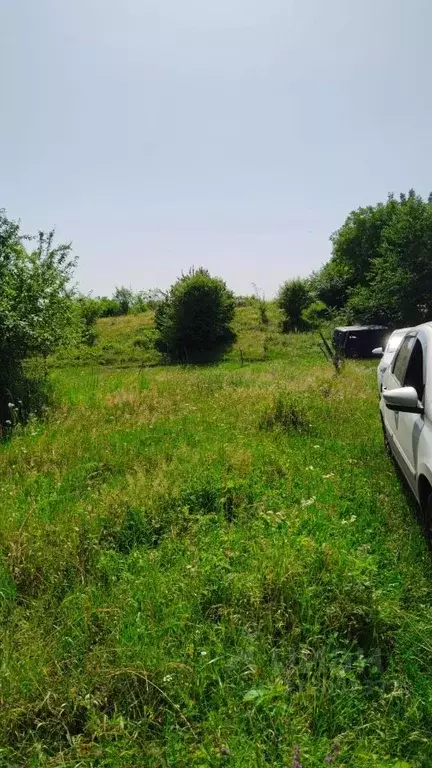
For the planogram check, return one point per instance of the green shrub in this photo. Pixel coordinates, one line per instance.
(316, 314)
(108, 307)
(293, 298)
(194, 320)
(88, 309)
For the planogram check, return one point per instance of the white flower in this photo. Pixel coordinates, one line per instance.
(167, 678)
(308, 502)
(352, 519)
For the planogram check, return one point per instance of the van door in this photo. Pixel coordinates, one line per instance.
(404, 429)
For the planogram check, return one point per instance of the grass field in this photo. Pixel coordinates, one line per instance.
(212, 566)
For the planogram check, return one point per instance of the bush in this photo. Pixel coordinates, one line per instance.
(88, 310)
(294, 297)
(316, 314)
(194, 320)
(108, 307)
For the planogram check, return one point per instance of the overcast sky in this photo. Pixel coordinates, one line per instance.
(233, 134)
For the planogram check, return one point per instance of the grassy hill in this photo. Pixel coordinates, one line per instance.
(211, 566)
(129, 341)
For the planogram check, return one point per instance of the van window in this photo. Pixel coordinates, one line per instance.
(414, 371)
(401, 360)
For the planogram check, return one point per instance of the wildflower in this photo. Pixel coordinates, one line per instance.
(334, 752)
(8, 421)
(11, 405)
(203, 653)
(352, 519)
(167, 678)
(296, 757)
(307, 502)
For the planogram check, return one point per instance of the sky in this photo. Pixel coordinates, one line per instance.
(233, 134)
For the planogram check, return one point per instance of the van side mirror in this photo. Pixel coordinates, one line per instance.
(402, 399)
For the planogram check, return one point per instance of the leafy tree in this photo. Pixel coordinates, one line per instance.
(194, 320)
(293, 298)
(381, 265)
(124, 297)
(36, 308)
(355, 246)
(332, 284)
(398, 287)
(139, 303)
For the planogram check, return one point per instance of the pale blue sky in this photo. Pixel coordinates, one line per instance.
(233, 134)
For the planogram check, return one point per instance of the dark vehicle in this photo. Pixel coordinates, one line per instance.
(359, 340)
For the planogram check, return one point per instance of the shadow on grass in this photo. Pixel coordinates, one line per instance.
(25, 391)
(415, 508)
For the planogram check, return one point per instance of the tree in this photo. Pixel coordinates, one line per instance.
(398, 288)
(124, 297)
(36, 308)
(293, 298)
(194, 320)
(354, 247)
(332, 284)
(381, 264)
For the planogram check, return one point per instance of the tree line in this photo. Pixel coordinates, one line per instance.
(380, 271)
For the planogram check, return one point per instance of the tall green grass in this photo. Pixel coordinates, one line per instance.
(212, 566)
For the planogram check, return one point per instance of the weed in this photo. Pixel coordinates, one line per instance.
(286, 413)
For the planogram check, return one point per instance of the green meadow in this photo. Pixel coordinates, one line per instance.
(211, 566)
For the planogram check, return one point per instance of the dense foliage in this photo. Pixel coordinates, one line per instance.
(194, 321)
(125, 301)
(37, 314)
(381, 266)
